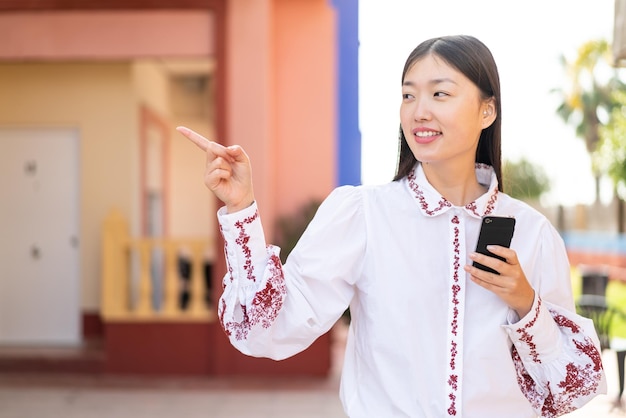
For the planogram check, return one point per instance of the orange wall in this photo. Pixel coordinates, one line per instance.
(305, 101)
(105, 34)
(281, 104)
(249, 92)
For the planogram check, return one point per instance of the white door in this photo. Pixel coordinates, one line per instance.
(39, 258)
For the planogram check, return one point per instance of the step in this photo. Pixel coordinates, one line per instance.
(88, 358)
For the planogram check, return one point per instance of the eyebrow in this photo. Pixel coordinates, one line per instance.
(433, 82)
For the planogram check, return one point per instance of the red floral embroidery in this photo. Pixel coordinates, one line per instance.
(454, 325)
(229, 268)
(265, 306)
(491, 204)
(419, 195)
(589, 349)
(565, 322)
(444, 203)
(581, 378)
(267, 301)
(454, 352)
(452, 381)
(472, 208)
(455, 322)
(242, 241)
(527, 337)
(452, 408)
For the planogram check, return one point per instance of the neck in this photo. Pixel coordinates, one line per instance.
(457, 183)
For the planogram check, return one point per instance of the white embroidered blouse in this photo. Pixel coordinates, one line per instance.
(424, 340)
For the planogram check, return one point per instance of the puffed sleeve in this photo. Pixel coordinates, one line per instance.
(272, 310)
(556, 352)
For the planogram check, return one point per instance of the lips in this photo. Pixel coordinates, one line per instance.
(425, 136)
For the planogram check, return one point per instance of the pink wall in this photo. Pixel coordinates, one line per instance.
(306, 71)
(106, 34)
(250, 111)
(281, 105)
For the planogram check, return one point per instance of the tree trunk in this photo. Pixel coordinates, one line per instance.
(620, 214)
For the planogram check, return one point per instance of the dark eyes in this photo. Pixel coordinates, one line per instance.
(408, 96)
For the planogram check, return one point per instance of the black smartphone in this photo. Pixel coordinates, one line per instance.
(494, 230)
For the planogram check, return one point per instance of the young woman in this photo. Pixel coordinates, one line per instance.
(430, 335)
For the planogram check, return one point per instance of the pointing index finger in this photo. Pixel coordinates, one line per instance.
(212, 148)
(200, 141)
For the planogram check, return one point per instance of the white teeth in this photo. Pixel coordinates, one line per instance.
(426, 134)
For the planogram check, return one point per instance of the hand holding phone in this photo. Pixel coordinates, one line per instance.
(494, 230)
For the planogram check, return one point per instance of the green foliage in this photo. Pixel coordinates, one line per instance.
(591, 79)
(589, 102)
(291, 227)
(523, 180)
(611, 154)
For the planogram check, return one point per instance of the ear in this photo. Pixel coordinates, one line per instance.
(488, 113)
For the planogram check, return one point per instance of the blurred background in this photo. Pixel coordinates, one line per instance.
(110, 255)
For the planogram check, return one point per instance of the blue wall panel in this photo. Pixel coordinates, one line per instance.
(348, 162)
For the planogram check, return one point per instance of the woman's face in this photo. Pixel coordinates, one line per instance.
(442, 113)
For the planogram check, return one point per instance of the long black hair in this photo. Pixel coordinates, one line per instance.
(473, 59)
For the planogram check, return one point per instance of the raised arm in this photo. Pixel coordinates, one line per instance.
(267, 309)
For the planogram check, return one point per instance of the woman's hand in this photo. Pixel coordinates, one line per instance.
(511, 285)
(228, 173)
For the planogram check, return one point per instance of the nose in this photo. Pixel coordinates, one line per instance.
(421, 111)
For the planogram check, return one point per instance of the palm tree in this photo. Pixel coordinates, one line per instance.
(612, 147)
(589, 98)
(611, 153)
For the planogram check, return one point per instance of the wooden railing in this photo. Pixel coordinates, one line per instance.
(141, 278)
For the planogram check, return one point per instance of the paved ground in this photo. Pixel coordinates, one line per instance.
(30, 396)
(81, 396)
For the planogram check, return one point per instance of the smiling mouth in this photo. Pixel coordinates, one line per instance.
(427, 134)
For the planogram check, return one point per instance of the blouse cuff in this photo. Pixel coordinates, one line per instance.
(536, 336)
(244, 242)
(222, 213)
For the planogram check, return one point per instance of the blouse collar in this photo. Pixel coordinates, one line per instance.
(431, 203)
